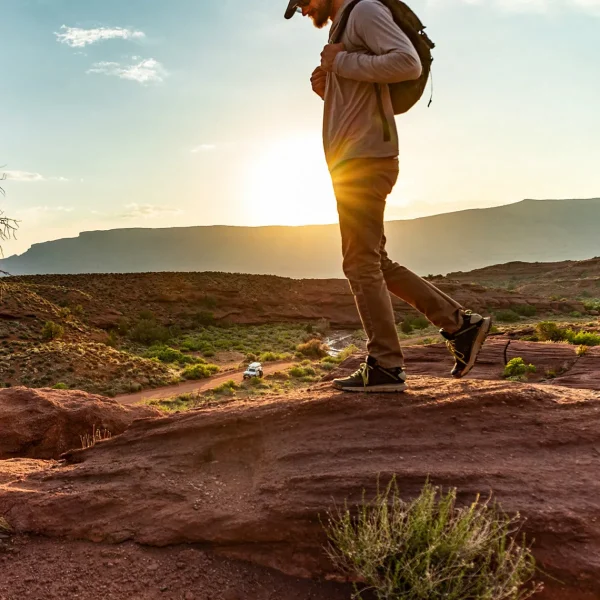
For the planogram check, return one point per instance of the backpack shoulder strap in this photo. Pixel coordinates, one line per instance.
(340, 28)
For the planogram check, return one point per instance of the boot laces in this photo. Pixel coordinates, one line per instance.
(363, 373)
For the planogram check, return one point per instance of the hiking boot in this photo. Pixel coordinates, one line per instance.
(371, 377)
(466, 343)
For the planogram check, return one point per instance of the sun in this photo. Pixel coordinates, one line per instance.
(289, 184)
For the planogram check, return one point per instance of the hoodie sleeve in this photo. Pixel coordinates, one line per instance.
(391, 56)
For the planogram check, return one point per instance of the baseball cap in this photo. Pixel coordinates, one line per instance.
(292, 8)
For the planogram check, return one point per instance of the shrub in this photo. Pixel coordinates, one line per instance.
(61, 386)
(406, 327)
(52, 331)
(525, 310)
(507, 316)
(300, 372)
(148, 332)
(227, 389)
(269, 357)
(582, 338)
(166, 354)
(431, 550)
(546, 331)
(517, 369)
(348, 351)
(582, 350)
(203, 318)
(202, 371)
(314, 348)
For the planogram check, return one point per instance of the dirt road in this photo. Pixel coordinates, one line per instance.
(197, 386)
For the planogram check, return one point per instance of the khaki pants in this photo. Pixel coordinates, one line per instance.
(361, 187)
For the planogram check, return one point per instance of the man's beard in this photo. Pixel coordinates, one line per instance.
(323, 14)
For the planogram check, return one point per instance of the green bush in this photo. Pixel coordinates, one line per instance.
(300, 372)
(406, 327)
(517, 369)
(582, 338)
(202, 371)
(226, 389)
(61, 386)
(547, 331)
(507, 316)
(203, 318)
(148, 332)
(52, 331)
(168, 355)
(269, 357)
(431, 550)
(525, 310)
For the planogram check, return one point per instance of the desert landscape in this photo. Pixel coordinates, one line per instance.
(206, 390)
(136, 462)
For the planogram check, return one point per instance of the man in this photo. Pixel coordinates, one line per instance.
(362, 154)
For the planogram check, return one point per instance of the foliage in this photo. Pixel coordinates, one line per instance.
(169, 355)
(87, 440)
(147, 331)
(201, 371)
(314, 348)
(525, 310)
(507, 316)
(52, 331)
(517, 369)
(431, 550)
(547, 331)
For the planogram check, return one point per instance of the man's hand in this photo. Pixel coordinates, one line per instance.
(318, 79)
(328, 55)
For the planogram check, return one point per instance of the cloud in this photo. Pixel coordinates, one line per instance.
(203, 148)
(148, 70)
(26, 177)
(79, 38)
(135, 210)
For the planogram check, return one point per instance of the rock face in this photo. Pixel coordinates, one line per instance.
(45, 423)
(252, 481)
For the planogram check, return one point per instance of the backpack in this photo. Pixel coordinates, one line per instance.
(406, 93)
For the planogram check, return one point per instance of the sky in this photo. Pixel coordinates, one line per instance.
(143, 113)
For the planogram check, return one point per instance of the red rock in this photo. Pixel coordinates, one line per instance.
(261, 475)
(45, 423)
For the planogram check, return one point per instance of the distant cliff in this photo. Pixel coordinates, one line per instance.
(531, 230)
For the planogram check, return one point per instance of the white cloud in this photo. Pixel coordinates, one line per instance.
(203, 148)
(79, 38)
(135, 210)
(27, 177)
(148, 70)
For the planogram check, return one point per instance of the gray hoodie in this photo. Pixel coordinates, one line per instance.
(377, 51)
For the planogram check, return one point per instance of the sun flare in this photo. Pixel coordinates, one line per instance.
(289, 184)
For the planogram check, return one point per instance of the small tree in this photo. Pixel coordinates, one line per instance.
(7, 226)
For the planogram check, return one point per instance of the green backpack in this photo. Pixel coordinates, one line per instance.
(406, 93)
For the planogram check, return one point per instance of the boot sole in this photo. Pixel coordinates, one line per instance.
(479, 341)
(380, 389)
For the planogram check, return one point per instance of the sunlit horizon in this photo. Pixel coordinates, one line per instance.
(138, 114)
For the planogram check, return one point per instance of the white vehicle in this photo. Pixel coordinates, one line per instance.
(254, 370)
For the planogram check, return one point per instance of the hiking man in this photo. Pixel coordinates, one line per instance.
(362, 155)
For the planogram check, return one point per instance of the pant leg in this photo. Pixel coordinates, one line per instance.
(438, 307)
(361, 187)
